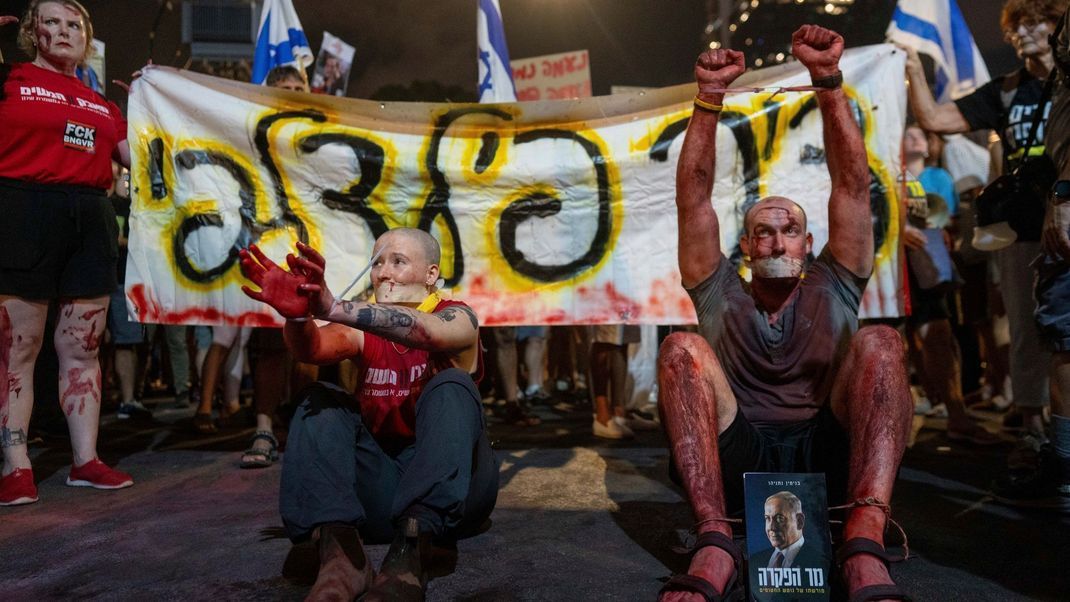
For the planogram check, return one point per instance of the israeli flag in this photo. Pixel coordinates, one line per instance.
(281, 40)
(495, 74)
(936, 28)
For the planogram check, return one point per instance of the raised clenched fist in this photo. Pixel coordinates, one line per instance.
(818, 49)
(717, 69)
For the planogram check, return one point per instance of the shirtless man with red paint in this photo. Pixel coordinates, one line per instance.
(408, 459)
(780, 381)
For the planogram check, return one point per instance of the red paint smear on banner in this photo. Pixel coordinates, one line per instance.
(148, 310)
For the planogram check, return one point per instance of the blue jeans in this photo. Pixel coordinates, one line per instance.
(335, 471)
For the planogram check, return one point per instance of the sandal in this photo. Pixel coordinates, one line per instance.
(203, 424)
(698, 585)
(259, 458)
(883, 591)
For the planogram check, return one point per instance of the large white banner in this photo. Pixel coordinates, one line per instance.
(548, 212)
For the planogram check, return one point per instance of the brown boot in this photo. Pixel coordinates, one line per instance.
(403, 575)
(344, 568)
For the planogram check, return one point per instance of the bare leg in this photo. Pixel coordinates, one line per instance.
(871, 399)
(79, 331)
(506, 356)
(696, 405)
(126, 370)
(22, 325)
(534, 354)
(942, 360)
(213, 364)
(600, 373)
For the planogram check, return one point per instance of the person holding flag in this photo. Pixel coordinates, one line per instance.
(939, 30)
(280, 40)
(1007, 104)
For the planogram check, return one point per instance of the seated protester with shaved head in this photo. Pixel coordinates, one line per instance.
(408, 459)
(781, 379)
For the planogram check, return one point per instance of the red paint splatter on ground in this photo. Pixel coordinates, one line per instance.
(78, 389)
(89, 314)
(148, 309)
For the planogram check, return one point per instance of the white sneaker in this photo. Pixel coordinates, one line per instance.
(623, 424)
(610, 430)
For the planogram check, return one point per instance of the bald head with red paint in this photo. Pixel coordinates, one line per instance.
(775, 241)
(406, 270)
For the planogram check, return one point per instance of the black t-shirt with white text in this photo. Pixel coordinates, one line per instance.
(1006, 104)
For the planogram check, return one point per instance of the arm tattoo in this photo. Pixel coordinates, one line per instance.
(448, 314)
(392, 323)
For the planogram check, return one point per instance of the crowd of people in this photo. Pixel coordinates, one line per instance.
(383, 407)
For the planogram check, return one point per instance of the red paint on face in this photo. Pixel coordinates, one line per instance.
(148, 310)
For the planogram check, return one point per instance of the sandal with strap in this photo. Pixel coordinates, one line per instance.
(698, 585)
(260, 458)
(883, 591)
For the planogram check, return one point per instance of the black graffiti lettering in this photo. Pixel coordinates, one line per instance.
(156, 177)
(491, 140)
(659, 151)
(436, 205)
(542, 205)
(189, 160)
(370, 158)
(287, 217)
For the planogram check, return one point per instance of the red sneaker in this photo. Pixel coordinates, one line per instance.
(17, 488)
(97, 475)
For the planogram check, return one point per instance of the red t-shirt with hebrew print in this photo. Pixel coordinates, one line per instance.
(391, 381)
(55, 130)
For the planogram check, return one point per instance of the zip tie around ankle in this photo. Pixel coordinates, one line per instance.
(886, 509)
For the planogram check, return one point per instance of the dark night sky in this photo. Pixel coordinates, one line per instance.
(631, 42)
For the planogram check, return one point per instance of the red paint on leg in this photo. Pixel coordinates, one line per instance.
(79, 389)
(89, 314)
(5, 360)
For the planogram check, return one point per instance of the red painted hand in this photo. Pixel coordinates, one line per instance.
(278, 288)
(311, 266)
(817, 48)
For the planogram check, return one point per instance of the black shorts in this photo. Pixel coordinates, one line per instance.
(1053, 302)
(816, 445)
(59, 241)
(926, 305)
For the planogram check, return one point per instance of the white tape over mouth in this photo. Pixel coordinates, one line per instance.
(777, 267)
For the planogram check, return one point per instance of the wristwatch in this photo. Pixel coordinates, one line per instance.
(1060, 192)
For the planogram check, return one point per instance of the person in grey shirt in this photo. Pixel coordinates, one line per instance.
(779, 380)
